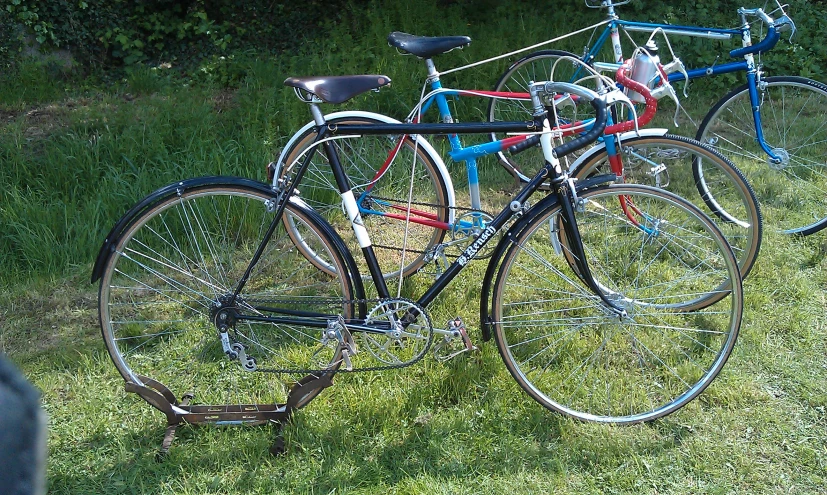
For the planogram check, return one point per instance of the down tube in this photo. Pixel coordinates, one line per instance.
(485, 237)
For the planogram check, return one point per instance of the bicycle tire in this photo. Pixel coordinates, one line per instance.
(549, 326)
(723, 192)
(172, 264)
(361, 157)
(793, 195)
(534, 67)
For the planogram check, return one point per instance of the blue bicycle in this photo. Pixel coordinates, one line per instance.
(405, 193)
(771, 127)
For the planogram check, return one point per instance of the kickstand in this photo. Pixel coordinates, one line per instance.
(169, 434)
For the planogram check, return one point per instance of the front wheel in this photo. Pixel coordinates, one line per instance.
(793, 193)
(572, 353)
(169, 281)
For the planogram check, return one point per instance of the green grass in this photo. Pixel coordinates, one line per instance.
(74, 160)
(462, 427)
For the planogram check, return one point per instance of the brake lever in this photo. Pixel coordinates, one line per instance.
(668, 90)
(676, 65)
(619, 96)
(563, 101)
(783, 23)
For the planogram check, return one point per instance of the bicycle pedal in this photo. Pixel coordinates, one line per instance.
(463, 333)
(446, 349)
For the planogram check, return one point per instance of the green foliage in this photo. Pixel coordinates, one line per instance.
(10, 38)
(31, 82)
(225, 72)
(128, 32)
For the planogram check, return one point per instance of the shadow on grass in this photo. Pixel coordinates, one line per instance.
(428, 424)
(328, 459)
(48, 325)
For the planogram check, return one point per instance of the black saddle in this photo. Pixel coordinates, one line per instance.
(337, 89)
(424, 46)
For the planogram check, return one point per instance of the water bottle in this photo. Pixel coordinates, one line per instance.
(644, 70)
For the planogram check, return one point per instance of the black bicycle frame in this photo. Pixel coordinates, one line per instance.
(562, 188)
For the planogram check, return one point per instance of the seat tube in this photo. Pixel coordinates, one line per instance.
(615, 33)
(456, 145)
(473, 183)
(352, 210)
(441, 102)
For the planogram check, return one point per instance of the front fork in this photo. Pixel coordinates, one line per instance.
(754, 84)
(567, 198)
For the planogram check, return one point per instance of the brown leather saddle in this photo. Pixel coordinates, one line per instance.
(337, 89)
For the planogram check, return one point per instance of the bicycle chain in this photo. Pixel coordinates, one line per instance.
(370, 368)
(365, 301)
(437, 206)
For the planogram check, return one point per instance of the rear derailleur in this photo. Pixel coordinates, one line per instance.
(225, 316)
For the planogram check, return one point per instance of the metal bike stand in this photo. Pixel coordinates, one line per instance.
(180, 411)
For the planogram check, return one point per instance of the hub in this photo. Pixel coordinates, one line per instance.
(784, 155)
(223, 313)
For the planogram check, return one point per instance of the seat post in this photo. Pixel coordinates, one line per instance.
(318, 116)
(433, 75)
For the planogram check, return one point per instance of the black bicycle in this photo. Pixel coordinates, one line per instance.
(616, 303)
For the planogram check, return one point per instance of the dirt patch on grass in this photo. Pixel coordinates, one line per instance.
(43, 121)
(55, 317)
(8, 116)
(223, 100)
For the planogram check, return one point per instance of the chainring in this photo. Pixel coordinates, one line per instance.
(407, 337)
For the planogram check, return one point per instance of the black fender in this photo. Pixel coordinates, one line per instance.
(178, 188)
(507, 240)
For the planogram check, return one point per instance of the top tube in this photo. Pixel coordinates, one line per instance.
(695, 31)
(428, 129)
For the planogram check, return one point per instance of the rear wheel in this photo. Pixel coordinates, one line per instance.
(168, 284)
(385, 173)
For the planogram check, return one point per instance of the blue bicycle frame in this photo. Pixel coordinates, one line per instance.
(611, 32)
(470, 154)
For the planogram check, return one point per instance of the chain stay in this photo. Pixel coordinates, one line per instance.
(405, 364)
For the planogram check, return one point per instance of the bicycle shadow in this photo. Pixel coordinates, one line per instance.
(337, 445)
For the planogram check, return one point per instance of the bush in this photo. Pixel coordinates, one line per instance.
(128, 32)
